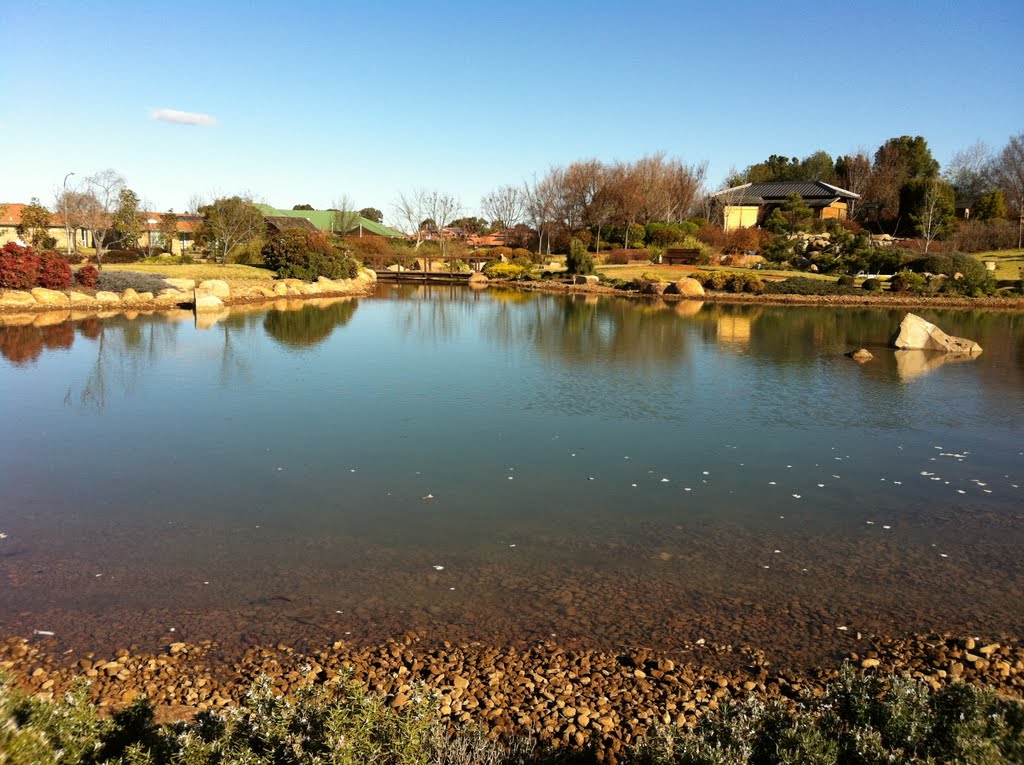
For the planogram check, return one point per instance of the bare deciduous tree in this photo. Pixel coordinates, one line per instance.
(409, 210)
(1008, 174)
(345, 216)
(505, 206)
(104, 192)
(443, 209)
(540, 204)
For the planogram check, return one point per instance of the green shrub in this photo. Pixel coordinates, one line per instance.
(307, 255)
(802, 285)
(860, 719)
(931, 264)
(908, 281)
(497, 270)
(846, 281)
(718, 280)
(872, 285)
(579, 261)
(248, 254)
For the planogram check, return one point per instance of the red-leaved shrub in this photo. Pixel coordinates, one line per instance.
(19, 267)
(54, 271)
(87, 275)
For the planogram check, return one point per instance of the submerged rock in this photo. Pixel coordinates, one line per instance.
(917, 334)
(861, 355)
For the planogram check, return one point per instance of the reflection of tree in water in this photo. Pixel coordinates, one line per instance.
(434, 311)
(310, 325)
(124, 350)
(584, 330)
(601, 347)
(23, 344)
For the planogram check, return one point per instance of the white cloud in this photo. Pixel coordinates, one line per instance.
(182, 118)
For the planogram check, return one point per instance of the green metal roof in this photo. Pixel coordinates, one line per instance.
(324, 220)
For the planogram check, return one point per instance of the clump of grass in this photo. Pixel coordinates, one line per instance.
(119, 281)
(860, 719)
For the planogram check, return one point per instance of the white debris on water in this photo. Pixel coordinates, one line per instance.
(438, 568)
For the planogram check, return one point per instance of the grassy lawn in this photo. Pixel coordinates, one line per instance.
(674, 273)
(1008, 262)
(198, 271)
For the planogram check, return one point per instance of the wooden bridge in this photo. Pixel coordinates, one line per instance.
(438, 277)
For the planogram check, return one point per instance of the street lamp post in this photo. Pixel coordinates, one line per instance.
(64, 204)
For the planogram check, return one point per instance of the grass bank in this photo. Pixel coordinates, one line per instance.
(198, 271)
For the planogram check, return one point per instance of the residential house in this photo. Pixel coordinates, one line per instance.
(152, 237)
(325, 220)
(10, 219)
(748, 205)
(279, 223)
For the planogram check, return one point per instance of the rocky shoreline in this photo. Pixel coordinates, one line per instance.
(603, 701)
(867, 300)
(212, 295)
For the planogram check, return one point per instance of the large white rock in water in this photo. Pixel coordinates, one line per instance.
(217, 287)
(917, 334)
(205, 301)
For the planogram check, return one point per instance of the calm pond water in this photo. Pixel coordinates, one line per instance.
(506, 466)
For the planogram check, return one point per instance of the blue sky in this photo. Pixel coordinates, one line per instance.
(313, 100)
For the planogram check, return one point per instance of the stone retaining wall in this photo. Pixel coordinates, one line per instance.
(209, 295)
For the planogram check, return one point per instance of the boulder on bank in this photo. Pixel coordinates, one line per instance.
(16, 298)
(206, 301)
(585, 279)
(686, 287)
(917, 334)
(44, 296)
(216, 287)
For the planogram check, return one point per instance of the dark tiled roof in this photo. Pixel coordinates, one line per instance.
(282, 222)
(777, 191)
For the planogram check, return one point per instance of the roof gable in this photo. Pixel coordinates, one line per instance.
(768, 192)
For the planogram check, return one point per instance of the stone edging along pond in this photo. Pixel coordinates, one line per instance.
(210, 296)
(867, 300)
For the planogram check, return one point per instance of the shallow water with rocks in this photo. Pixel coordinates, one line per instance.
(512, 469)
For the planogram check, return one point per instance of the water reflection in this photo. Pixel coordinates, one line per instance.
(308, 325)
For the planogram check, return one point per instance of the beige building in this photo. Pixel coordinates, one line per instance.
(151, 238)
(748, 205)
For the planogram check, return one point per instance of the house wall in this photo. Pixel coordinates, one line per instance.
(10, 234)
(837, 210)
(740, 216)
